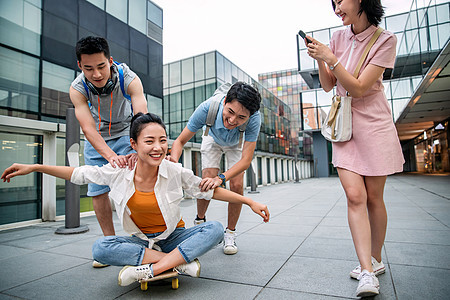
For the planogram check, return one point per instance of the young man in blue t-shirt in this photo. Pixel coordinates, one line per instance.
(241, 104)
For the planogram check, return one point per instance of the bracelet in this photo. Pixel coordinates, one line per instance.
(334, 66)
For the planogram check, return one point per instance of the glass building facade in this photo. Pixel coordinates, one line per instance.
(37, 55)
(421, 34)
(287, 85)
(427, 31)
(190, 81)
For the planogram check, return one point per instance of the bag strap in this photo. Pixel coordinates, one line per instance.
(366, 51)
(241, 132)
(87, 92)
(212, 113)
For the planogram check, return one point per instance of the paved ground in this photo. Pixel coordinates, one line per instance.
(305, 252)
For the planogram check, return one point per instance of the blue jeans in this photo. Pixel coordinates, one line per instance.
(120, 145)
(129, 250)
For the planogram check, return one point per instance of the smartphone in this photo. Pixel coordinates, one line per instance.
(303, 35)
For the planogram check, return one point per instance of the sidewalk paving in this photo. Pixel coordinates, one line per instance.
(304, 252)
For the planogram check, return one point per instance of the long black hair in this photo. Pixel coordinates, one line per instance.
(373, 9)
(139, 120)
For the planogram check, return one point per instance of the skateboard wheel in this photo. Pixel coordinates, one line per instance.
(144, 286)
(175, 283)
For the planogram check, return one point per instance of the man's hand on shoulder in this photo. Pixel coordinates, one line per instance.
(120, 161)
(131, 160)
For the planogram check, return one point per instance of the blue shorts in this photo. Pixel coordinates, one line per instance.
(120, 145)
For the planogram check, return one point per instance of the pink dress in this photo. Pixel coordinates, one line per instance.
(374, 149)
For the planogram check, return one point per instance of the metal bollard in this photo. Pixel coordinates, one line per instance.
(72, 209)
(252, 180)
(296, 170)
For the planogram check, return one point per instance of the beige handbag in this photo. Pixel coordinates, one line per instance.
(337, 126)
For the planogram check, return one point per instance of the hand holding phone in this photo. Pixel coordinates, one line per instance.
(303, 35)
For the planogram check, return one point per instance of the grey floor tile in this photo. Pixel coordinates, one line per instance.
(324, 276)
(244, 267)
(82, 248)
(195, 289)
(436, 237)
(332, 232)
(49, 240)
(418, 255)
(327, 248)
(283, 230)
(295, 220)
(21, 233)
(421, 282)
(417, 224)
(8, 297)
(7, 252)
(270, 294)
(258, 243)
(335, 221)
(34, 266)
(81, 282)
(299, 211)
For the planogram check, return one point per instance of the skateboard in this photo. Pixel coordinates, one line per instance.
(165, 275)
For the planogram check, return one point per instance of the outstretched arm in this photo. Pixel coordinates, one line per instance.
(232, 197)
(21, 169)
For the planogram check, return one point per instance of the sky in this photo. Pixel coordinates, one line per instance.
(258, 36)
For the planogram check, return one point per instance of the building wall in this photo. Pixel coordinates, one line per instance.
(37, 55)
(421, 33)
(190, 81)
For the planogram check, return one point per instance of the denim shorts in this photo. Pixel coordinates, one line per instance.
(212, 153)
(129, 250)
(120, 145)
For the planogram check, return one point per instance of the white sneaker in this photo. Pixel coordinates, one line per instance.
(198, 221)
(378, 269)
(130, 274)
(368, 285)
(192, 269)
(97, 264)
(229, 242)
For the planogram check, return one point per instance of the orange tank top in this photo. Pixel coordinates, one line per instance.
(146, 214)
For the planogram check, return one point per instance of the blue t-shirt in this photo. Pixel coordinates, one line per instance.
(220, 134)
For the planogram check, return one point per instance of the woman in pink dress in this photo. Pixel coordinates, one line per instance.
(374, 150)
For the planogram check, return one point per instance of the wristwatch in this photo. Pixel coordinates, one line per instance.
(221, 176)
(334, 66)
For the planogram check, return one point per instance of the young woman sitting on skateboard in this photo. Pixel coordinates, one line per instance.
(147, 202)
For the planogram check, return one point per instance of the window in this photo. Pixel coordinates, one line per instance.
(56, 81)
(118, 8)
(210, 62)
(99, 3)
(155, 14)
(187, 70)
(20, 25)
(19, 89)
(154, 105)
(175, 74)
(21, 198)
(136, 15)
